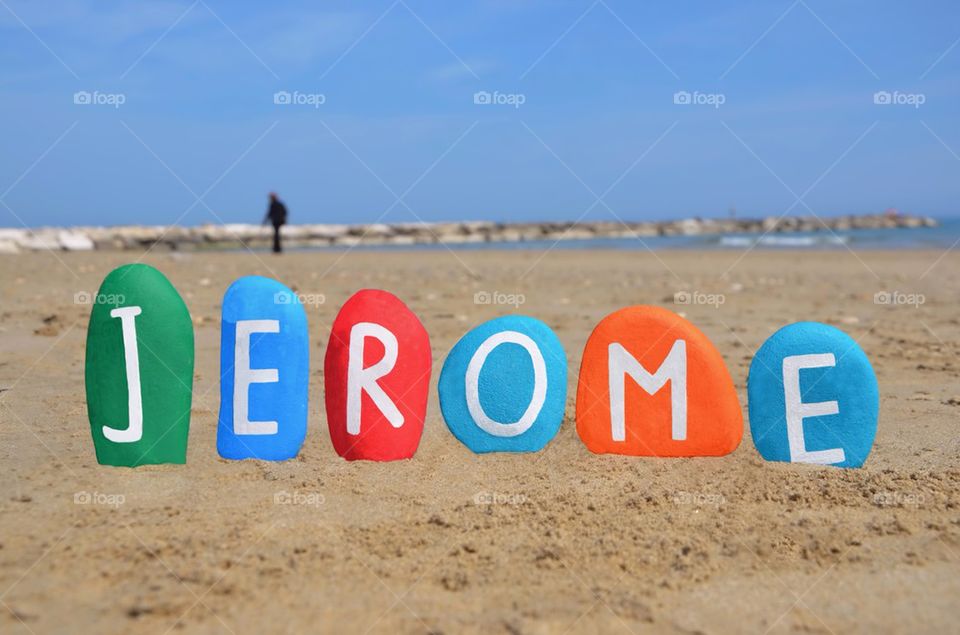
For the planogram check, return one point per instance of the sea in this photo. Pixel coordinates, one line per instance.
(944, 236)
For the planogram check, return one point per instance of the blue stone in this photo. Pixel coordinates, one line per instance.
(813, 397)
(264, 379)
(503, 387)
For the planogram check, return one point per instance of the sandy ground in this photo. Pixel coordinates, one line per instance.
(572, 542)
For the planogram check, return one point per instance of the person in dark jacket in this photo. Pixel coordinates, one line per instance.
(277, 215)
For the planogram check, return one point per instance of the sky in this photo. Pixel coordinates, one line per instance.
(390, 111)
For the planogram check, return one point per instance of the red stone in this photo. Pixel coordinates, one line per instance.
(405, 384)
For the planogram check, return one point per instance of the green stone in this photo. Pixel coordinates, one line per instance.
(140, 333)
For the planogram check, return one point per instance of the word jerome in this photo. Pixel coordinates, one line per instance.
(650, 384)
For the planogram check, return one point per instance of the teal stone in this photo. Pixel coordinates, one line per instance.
(813, 397)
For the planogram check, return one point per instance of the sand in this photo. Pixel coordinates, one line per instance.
(560, 541)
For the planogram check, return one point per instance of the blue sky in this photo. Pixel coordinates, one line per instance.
(784, 114)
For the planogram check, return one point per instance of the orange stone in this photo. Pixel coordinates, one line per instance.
(651, 384)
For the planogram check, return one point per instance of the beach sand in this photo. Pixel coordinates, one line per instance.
(559, 541)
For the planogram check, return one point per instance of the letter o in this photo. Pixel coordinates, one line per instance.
(523, 403)
(499, 428)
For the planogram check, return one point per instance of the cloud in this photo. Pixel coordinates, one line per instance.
(99, 22)
(300, 39)
(456, 70)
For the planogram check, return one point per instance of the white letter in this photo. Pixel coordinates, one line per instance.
(485, 423)
(243, 376)
(620, 363)
(361, 379)
(134, 430)
(797, 411)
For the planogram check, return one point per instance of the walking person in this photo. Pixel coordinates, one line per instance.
(277, 215)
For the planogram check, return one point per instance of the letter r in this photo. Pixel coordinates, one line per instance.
(360, 379)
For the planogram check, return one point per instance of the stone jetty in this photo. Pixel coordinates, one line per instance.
(230, 236)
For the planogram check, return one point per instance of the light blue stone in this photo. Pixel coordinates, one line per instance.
(275, 324)
(844, 383)
(505, 386)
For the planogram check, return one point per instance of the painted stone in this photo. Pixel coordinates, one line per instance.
(139, 369)
(813, 397)
(264, 371)
(376, 378)
(652, 384)
(503, 387)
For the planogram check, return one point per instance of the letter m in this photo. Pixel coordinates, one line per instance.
(621, 363)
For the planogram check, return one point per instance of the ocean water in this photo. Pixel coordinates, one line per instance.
(944, 236)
